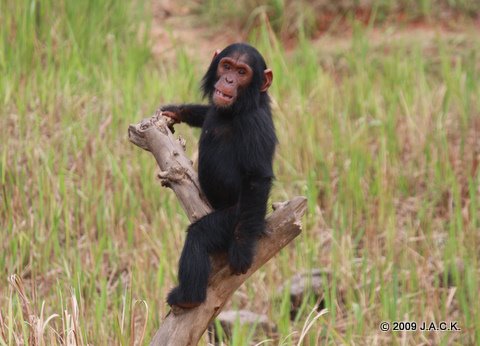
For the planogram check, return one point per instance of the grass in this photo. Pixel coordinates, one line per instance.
(287, 17)
(381, 137)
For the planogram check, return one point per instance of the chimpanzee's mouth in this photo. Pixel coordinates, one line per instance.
(222, 94)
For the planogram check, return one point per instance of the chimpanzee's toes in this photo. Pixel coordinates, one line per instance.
(177, 298)
(174, 296)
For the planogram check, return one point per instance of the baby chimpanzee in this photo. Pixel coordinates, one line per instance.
(236, 150)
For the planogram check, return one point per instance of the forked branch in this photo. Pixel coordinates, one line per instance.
(186, 327)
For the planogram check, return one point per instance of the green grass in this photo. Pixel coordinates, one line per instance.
(381, 137)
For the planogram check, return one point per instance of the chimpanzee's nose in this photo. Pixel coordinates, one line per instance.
(228, 80)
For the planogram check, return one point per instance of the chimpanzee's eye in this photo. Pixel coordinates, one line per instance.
(242, 71)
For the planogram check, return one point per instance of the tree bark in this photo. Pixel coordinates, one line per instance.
(186, 327)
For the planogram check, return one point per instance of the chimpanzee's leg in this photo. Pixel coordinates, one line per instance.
(211, 233)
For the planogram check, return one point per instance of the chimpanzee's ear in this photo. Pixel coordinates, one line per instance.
(217, 51)
(267, 80)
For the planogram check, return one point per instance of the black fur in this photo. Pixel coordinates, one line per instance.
(236, 150)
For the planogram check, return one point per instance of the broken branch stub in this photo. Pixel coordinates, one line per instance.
(177, 172)
(186, 327)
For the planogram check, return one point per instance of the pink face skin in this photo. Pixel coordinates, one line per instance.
(233, 74)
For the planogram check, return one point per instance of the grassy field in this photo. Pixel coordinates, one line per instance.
(382, 136)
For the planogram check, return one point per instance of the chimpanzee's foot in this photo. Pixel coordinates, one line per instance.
(177, 298)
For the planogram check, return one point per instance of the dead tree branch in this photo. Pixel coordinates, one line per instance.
(186, 327)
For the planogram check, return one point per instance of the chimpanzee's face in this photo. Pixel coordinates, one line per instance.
(234, 74)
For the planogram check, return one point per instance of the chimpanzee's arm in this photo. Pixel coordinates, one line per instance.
(252, 207)
(250, 223)
(193, 115)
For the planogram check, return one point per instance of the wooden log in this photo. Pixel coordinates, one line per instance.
(186, 327)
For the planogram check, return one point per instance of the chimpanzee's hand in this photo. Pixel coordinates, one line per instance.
(173, 112)
(240, 256)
